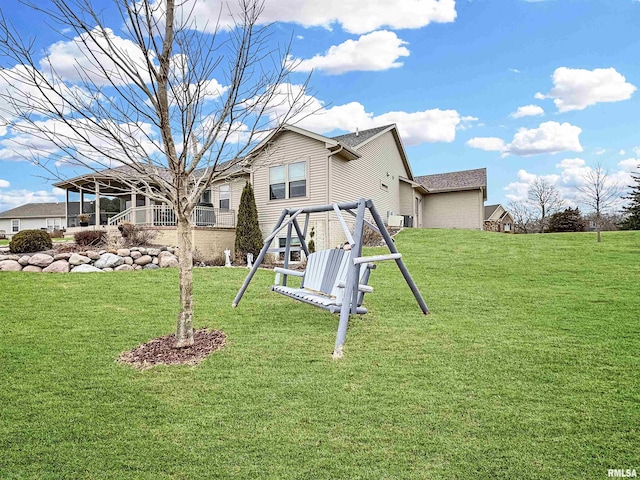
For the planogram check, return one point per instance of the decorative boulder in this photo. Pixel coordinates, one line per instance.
(92, 255)
(123, 268)
(151, 266)
(59, 266)
(62, 256)
(128, 261)
(154, 252)
(85, 269)
(143, 260)
(10, 266)
(41, 260)
(32, 269)
(109, 260)
(167, 260)
(136, 254)
(24, 260)
(123, 252)
(10, 257)
(77, 259)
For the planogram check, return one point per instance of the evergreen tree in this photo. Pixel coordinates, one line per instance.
(248, 234)
(568, 220)
(631, 212)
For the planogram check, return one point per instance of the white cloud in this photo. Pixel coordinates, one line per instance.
(630, 164)
(514, 70)
(4, 183)
(375, 51)
(622, 152)
(600, 151)
(14, 198)
(74, 58)
(488, 144)
(528, 111)
(353, 16)
(549, 137)
(432, 125)
(576, 89)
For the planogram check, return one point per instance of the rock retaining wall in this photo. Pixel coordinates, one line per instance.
(136, 258)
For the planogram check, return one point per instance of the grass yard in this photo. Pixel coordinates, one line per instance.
(528, 367)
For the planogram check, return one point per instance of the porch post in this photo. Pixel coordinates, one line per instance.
(134, 202)
(66, 208)
(81, 201)
(147, 204)
(97, 207)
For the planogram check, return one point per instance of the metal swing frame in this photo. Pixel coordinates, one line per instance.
(351, 287)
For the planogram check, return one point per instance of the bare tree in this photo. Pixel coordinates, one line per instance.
(523, 216)
(171, 106)
(545, 198)
(598, 193)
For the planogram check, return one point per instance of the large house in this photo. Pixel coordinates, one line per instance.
(294, 167)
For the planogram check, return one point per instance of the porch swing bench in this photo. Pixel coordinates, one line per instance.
(324, 280)
(337, 279)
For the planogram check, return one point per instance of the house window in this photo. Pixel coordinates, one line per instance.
(15, 226)
(298, 179)
(225, 194)
(294, 256)
(206, 197)
(384, 186)
(288, 182)
(277, 183)
(53, 224)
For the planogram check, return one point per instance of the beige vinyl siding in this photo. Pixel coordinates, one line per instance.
(406, 199)
(235, 192)
(290, 147)
(35, 223)
(453, 210)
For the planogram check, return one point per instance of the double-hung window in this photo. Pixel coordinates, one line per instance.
(225, 195)
(53, 224)
(15, 226)
(288, 181)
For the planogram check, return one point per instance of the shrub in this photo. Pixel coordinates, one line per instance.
(311, 246)
(28, 241)
(57, 234)
(568, 220)
(136, 235)
(90, 238)
(248, 233)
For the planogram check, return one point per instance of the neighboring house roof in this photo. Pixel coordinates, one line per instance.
(36, 210)
(355, 139)
(489, 210)
(454, 181)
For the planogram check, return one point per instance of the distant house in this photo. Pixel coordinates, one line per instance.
(33, 216)
(293, 167)
(455, 199)
(497, 219)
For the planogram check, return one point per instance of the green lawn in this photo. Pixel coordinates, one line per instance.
(528, 367)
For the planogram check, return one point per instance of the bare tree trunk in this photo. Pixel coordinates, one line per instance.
(184, 329)
(598, 226)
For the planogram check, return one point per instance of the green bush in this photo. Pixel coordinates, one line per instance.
(248, 234)
(28, 241)
(90, 238)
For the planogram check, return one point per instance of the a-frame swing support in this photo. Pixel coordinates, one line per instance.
(350, 303)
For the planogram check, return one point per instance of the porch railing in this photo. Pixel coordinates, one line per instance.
(164, 216)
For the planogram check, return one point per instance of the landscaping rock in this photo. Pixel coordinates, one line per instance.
(137, 267)
(109, 260)
(85, 269)
(62, 256)
(108, 269)
(128, 261)
(143, 260)
(10, 266)
(24, 260)
(92, 255)
(77, 259)
(167, 260)
(155, 260)
(41, 260)
(142, 250)
(15, 258)
(123, 268)
(151, 266)
(32, 269)
(59, 266)
(136, 254)
(123, 252)
(153, 251)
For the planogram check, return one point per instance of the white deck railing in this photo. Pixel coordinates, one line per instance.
(164, 216)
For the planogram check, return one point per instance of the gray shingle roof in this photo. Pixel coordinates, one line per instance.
(31, 210)
(489, 209)
(354, 139)
(466, 179)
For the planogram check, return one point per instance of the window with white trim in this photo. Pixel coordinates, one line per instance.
(15, 226)
(54, 224)
(288, 181)
(294, 256)
(225, 195)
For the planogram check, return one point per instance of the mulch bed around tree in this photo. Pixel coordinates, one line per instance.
(161, 351)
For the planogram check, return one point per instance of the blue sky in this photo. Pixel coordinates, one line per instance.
(523, 88)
